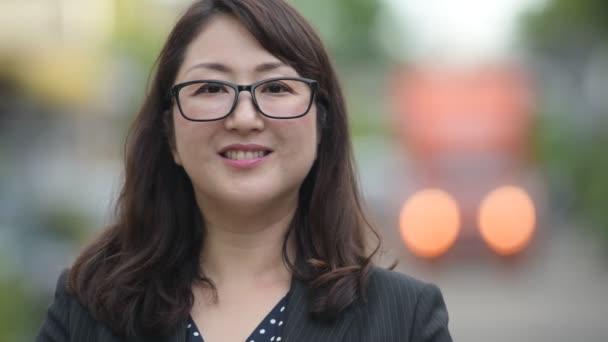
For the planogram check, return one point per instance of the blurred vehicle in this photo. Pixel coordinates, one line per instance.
(467, 132)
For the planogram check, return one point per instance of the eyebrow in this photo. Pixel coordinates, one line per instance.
(269, 66)
(264, 67)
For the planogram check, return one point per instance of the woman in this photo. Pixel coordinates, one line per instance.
(240, 219)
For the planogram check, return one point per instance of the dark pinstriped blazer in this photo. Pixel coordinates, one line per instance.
(398, 309)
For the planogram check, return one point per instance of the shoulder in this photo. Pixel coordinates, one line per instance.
(64, 300)
(61, 288)
(409, 292)
(409, 306)
(392, 281)
(67, 319)
(387, 287)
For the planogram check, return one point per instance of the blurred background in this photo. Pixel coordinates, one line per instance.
(480, 130)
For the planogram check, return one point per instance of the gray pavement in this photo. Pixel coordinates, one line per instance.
(557, 293)
(557, 290)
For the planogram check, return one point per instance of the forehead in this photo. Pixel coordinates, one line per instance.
(224, 40)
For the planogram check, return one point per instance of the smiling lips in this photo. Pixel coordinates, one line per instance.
(241, 155)
(244, 156)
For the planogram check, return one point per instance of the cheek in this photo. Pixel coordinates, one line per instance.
(180, 129)
(189, 138)
(302, 136)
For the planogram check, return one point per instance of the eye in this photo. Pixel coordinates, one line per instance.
(275, 88)
(211, 88)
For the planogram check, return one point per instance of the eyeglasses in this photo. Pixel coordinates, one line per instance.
(276, 98)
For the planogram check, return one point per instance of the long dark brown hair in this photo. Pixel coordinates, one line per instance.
(136, 277)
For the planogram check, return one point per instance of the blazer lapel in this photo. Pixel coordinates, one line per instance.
(302, 327)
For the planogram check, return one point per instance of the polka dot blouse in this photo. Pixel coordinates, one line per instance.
(269, 329)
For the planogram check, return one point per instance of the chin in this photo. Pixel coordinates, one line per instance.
(260, 197)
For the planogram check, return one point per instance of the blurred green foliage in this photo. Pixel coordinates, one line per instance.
(345, 26)
(136, 35)
(565, 19)
(582, 169)
(19, 319)
(348, 29)
(566, 28)
(67, 223)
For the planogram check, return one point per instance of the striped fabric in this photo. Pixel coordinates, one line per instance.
(398, 309)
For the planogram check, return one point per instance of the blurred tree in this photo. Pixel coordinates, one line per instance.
(140, 29)
(348, 28)
(571, 35)
(19, 318)
(584, 19)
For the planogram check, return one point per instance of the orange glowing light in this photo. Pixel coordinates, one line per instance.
(507, 219)
(430, 223)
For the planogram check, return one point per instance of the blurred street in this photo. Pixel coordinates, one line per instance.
(479, 129)
(559, 294)
(557, 290)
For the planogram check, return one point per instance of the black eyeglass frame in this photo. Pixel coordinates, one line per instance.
(238, 88)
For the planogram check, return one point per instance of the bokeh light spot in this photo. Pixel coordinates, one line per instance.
(430, 222)
(507, 219)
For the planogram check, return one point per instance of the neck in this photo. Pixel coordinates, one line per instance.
(246, 250)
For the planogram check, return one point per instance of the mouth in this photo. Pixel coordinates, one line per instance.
(244, 152)
(244, 155)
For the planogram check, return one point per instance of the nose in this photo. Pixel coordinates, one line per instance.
(245, 117)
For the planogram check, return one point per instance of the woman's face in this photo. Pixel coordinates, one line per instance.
(228, 160)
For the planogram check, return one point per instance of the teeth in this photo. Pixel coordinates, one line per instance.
(241, 155)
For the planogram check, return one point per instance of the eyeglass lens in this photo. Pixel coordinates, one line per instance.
(277, 98)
